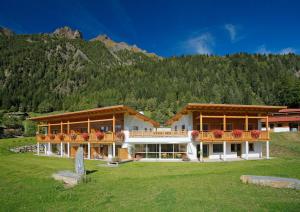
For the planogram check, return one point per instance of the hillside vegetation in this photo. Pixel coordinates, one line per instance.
(44, 73)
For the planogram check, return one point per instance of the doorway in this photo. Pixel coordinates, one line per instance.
(239, 150)
(205, 152)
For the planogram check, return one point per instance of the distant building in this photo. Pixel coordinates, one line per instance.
(286, 120)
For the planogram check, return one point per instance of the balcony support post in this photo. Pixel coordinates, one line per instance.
(61, 127)
(224, 123)
(49, 148)
(247, 149)
(38, 148)
(201, 151)
(114, 124)
(246, 123)
(89, 150)
(267, 126)
(68, 149)
(61, 149)
(114, 149)
(267, 150)
(89, 126)
(49, 129)
(68, 127)
(159, 147)
(224, 150)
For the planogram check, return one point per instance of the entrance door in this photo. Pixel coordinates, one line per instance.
(205, 150)
(239, 150)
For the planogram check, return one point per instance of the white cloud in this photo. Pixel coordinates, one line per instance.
(232, 31)
(201, 44)
(263, 50)
(287, 50)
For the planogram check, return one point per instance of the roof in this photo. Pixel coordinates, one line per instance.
(225, 108)
(96, 111)
(290, 110)
(284, 119)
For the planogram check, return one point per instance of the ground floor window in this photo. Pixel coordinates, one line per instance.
(217, 148)
(164, 151)
(251, 147)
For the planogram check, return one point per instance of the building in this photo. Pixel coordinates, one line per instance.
(198, 132)
(286, 120)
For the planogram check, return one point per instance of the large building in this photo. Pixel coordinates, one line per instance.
(198, 132)
(285, 120)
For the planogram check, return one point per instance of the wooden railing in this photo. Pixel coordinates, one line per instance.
(78, 138)
(229, 136)
(145, 134)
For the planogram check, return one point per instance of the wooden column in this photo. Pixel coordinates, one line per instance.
(49, 129)
(61, 127)
(114, 123)
(246, 123)
(89, 125)
(38, 129)
(68, 127)
(224, 122)
(267, 126)
(201, 124)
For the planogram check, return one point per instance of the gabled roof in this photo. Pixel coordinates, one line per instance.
(225, 108)
(96, 111)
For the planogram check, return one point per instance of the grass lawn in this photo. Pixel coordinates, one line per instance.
(26, 183)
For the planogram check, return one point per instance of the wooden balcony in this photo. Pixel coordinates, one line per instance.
(229, 136)
(78, 138)
(153, 134)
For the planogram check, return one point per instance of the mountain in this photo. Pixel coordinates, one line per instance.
(62, 71)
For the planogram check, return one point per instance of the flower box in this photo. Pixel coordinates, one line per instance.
(195, 134)
(255, 133)
(237, 133)
(218, 133)
(85, 136)
(99, 135)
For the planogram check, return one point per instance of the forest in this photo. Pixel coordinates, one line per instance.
(43, 73)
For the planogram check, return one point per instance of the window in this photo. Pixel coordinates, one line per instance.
(250, 127)
(183, 127)
(272, 126)
(135, 128)
(251, 147)
(229, 126)
(217, 148)
(233, 148)
(263, 125)
(145, 128)
(175, 128)
(205, 127)
(279, 125)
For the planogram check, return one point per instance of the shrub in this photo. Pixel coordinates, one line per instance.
(195, 134)
(99, 135)
(237, 133)
(218, 133)
(255, 133)
(85, 136)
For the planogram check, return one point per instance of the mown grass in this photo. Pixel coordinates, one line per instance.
(26, 183)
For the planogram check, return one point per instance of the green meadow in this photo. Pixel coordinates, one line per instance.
(26, 183)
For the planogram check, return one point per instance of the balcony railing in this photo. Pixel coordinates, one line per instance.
(229, 136)
(78, 138)
(151, 134)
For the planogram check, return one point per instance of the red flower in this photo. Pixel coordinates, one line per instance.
(218, 133)
(237, 133)
(195, 134)
(61, 136)
(85, 136)
(255, 133)
(99, 135)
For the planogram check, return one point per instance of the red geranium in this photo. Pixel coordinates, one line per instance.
(61, 136)
(85, 136)
(99, 135)
(237, 133)
(255, 133)
(218, 133)
(195, 134)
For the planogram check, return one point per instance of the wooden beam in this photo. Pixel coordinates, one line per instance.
(68, 127)
(201, 122)
(114, 123)
(246, 123)
(61, 127)
(267, 123)
(49, 129)
(89, 125)
(224, 122)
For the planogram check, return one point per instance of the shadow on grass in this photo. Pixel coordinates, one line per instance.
(90, 171)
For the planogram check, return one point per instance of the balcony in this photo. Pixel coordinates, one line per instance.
(154, 134)
(229, 136)
(78, 138)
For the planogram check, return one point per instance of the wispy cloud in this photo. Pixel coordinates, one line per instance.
(232, 30)
(263, 50)
(201, 44)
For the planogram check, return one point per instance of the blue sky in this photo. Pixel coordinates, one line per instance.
(168, 27)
